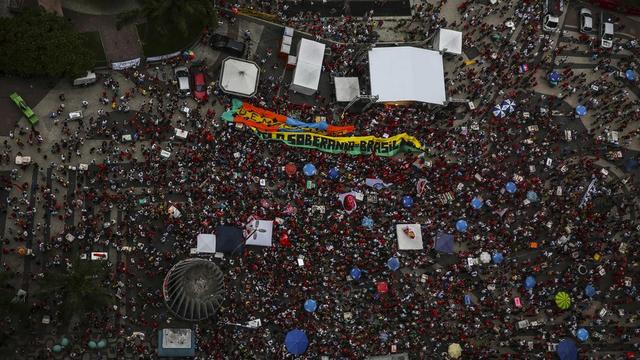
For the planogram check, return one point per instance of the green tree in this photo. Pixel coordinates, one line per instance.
(37, 43)
(80, 288)
(166, 16)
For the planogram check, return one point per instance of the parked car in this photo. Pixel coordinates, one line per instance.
(606, 34)
(586, 21)
(199, 82)
(26, 110)
(182, 76)
(552, 9)
(226, 44)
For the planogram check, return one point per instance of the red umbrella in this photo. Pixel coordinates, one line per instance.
(290, 169)
(349, 202)
(383, 287)
(284, 240)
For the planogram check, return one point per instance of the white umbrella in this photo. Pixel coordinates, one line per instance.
(485, 257)
(498, 111)
(509, 105)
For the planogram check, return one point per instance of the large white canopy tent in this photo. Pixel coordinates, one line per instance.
(449, 41)
(405, 73)
(409, 237)
(239, 77)
(206, 244)
(308, 67)
(347, 88)
(259, 233)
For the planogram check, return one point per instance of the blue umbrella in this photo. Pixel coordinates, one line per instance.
(461, 225)
(567, 350)
(508, 105)
(554, 76)
(64, 341)
(497, 258)
(393, 263)
(532, 196)
(589, 290)
(529, 282)
(334, 174)
(582, 334)
(296, 342)
(102, 344)
(498, 111)
(476, 203)
(355, 273)
(310, 305)
(581, 110)
(630, 74)
(383, 336)
(367, 222)
(309, 169)
(511, 187)
(407, 201)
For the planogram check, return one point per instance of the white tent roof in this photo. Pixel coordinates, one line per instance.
(263, 236)
(309, 66)
(239, 77)
(347, 88)
(407, 73)
(449, 41)
(206, 243)
(407, 243)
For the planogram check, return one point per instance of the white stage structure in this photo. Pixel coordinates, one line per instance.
(407, 74)
(347, 88)
(309, 67)
(449, 41)
(239, 77)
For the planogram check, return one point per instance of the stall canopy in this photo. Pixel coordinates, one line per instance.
(229, 240)
(347, 88)
(405, 73)
(449, 41)
(206, 243)
(308, 68)
(409, 237)
(176, 343)
(239, 77)
(260, 233)
(444, 243)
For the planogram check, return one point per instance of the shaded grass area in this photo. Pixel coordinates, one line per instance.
(94, 45)
(154, 43)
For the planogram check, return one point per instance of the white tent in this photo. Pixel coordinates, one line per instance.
(239, 77)
(206, 243)
(347, 88)
(409, 237)
(263, 234)
(449, 41)
(406, 73)
(309, 66)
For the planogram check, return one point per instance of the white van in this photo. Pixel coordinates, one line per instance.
(88, 79)
(75, 115)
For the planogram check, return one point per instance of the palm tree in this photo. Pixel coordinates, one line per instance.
(79, 288)
(170, 15)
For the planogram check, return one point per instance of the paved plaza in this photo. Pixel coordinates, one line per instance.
(104, 184)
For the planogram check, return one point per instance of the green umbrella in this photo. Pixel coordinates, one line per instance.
(64, 341)
(563, 300)
(92, 344)
(102, 343)
(56, 348)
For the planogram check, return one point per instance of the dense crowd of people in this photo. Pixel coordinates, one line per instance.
(568, 223)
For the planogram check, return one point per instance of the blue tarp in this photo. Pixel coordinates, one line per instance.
(567, 350)
(303, 126)
(296, 342)
(444, 243)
